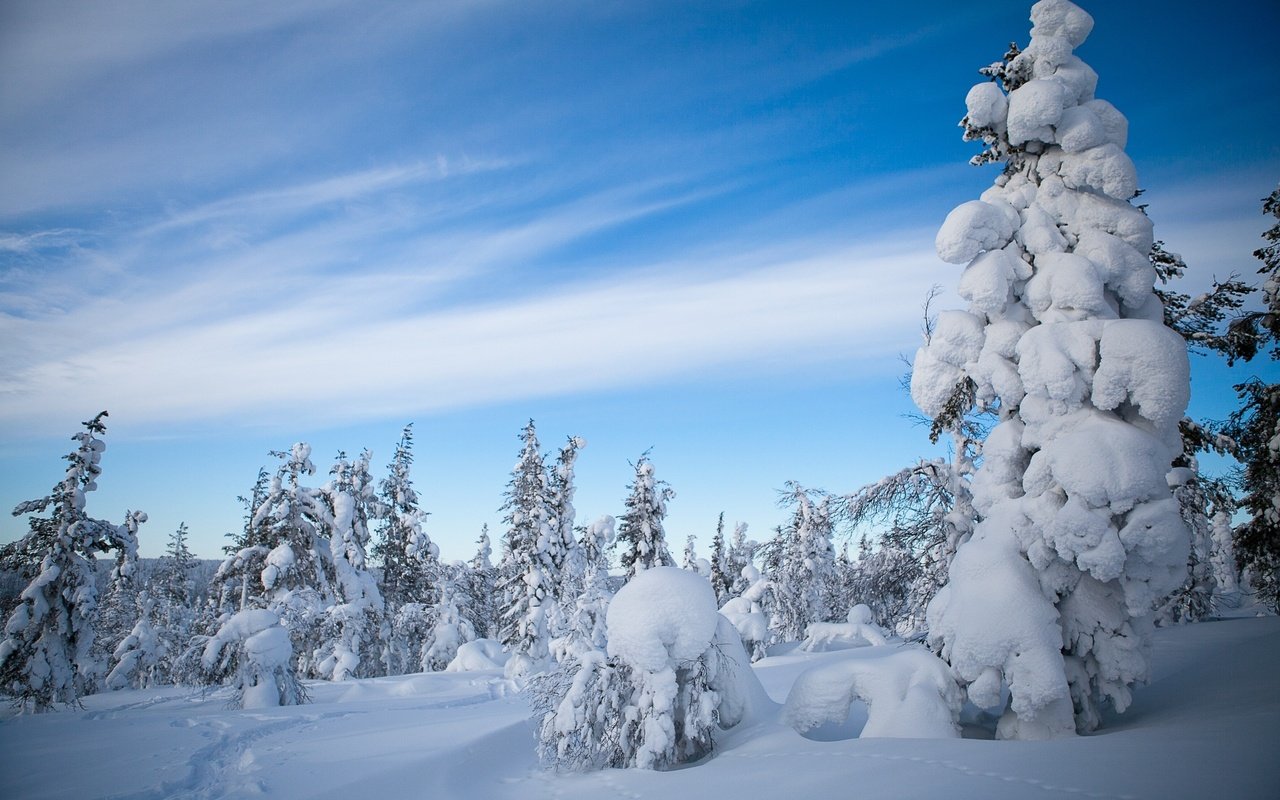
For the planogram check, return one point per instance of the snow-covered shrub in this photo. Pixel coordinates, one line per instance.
(910, 693)
(1079, 537)
(252, 652)
(674, 673)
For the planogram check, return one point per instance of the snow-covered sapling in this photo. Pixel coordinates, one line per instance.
(252, 652)
(674, 673)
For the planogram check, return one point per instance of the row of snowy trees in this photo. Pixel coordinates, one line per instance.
(302, 568)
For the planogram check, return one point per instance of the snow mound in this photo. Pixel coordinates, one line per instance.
(909, 692)
(663, 616)
(858, 631)
(478, 654)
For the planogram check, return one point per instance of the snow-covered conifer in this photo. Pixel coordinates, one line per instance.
(449, 630)
(118, 611)
(640, 529)
(673, 675)
(142, 655)
(47, 655)
(804, 578)
(252, 652)
(527, 589)
(585, 612)
(478, 583)
(173, 579)
(561, 543)
(721, 574)
(690, 554)
(172, 590)
(742, 552)
(354, 627)
(1255, 428)
(1226, 579)
(748, 612)
(409, 558)
(1063, 340)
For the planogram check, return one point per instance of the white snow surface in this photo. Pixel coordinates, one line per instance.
(1203, 727)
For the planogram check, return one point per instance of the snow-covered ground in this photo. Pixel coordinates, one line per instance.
(1206, 726)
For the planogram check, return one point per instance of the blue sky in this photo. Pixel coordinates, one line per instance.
(702, 228)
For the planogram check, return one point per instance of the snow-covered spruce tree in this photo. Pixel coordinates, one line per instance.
(748, 612)
(673, 674)
(585, 612)
(355, 627)
(47, 655)
(561, 488)
(721, 574)
(1200, 500)
(1255, 427)
(172, 579)
(298, 579)
(478, 582)
(118, 611)
(450, 629)
(560, 562)
(640, 531)
(1079, 535)
(804, 579)
(252, 653)
(742, 552)
(172, 589)
(409, 558)
(690, 561)
(527, 589)
(142, 655)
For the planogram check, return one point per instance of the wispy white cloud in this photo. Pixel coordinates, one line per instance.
(333, 356)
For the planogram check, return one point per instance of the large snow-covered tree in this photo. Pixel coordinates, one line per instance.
(1079, 536)
(640, 530)
(47, 655)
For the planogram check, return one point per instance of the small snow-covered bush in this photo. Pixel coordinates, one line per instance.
(252, 652)
(673, 673)
(910, 694)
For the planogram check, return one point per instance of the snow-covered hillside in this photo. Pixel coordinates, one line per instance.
(1206, 726)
